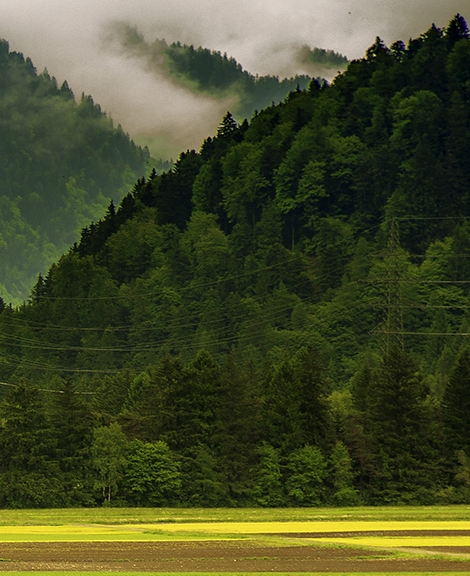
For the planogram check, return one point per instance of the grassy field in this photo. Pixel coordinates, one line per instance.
(147, 524)
(56, 517)
(125, 524)
(241, 530)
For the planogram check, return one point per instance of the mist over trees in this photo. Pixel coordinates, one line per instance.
(61, 162)
(281, 319)
(207, 71)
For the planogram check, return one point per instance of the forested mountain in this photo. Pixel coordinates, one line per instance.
(212, 73)
(281, 319)
(60, 164)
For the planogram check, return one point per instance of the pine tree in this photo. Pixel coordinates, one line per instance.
(456, 406)
(405, 458)
(236, 431)
(227, 127)
(29, 474)
(73, 429)
(456, 30)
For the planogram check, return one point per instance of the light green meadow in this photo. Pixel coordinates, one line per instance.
(196, 515)
(397, 541)
(221, 530)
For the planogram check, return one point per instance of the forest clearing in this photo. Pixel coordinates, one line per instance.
(418, 540)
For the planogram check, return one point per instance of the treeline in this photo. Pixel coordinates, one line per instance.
(212, 71)
(198, 434)
(210, 434)
(60, 164)
(282, 318)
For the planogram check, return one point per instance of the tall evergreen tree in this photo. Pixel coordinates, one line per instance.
(456, 407)
(72, 425)
(29, 473)
(405, 458)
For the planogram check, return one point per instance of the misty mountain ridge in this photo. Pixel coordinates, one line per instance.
(219, 76)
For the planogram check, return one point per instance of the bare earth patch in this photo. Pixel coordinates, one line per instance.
(212, 556)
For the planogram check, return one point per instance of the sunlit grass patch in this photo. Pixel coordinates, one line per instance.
(228, 530)
(309, 527)
(189, 515)
(398, 541)
(77, 533)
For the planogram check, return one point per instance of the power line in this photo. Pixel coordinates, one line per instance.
(414, 281)
(154, 344)
(431, 333)
(420, 306)
(181, 289)
(432, 218)
(221, 330)
(43, 389)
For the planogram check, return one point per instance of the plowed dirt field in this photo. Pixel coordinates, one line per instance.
(225, 556)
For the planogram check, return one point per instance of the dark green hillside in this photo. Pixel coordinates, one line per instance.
(218, 75)
(60, 163)
(281, 319)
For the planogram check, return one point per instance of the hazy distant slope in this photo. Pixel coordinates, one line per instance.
(212, 72)
(323, 62)
(60, 164)
(218, 75)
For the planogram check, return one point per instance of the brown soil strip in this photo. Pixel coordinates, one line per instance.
(214, 556)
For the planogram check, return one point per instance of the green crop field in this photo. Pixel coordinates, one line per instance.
(51, 517)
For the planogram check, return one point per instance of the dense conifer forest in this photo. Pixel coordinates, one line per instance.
(282, 319)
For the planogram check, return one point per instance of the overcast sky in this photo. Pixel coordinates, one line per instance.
(67, 37)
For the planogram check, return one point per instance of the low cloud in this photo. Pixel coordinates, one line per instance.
(66, 36)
